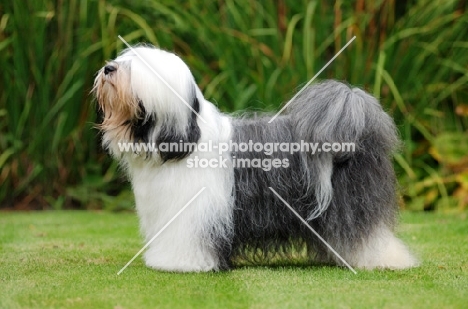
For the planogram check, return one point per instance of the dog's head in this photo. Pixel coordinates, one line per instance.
(147, 95)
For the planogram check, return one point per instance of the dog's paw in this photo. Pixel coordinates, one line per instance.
(383, 250)
(164, 262)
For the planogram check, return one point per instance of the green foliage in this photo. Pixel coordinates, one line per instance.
(244, 55)
(70, 259)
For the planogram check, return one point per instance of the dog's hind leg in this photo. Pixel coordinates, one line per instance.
(361, 185)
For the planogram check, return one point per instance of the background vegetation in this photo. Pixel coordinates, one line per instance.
(245, 54)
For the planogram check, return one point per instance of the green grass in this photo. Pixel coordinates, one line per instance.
(70, 260)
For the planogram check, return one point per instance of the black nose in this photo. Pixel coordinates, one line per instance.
(109, 68)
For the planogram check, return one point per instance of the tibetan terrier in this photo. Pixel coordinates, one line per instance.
(149, 96)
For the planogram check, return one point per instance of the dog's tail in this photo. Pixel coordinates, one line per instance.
(339, 120)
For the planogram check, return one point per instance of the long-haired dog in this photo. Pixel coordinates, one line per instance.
(349, 198)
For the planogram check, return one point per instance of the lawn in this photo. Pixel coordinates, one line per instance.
(70, 259)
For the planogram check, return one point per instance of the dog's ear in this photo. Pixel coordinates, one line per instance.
(143, 126)
(169, 134)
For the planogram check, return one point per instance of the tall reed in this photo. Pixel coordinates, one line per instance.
(245, 54)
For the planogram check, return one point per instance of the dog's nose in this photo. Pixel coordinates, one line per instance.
(109, 68)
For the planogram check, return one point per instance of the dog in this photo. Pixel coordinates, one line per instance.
(148, 95)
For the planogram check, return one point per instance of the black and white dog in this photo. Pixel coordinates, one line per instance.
(349, 198)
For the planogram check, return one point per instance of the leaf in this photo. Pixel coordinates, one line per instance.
(451, 149)
(462, 110)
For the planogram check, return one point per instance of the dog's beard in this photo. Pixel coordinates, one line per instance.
(119, 107)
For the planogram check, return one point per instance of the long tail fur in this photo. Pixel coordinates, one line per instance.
(335, 113)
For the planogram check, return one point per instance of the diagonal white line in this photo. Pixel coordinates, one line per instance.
(162, 79)
(313, 78)
(161, 230)
(313, 231)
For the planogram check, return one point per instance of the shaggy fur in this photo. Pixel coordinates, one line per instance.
(349, 198)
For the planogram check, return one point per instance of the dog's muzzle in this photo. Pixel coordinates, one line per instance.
(109, 68)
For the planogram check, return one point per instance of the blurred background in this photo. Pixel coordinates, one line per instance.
(244, 54)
